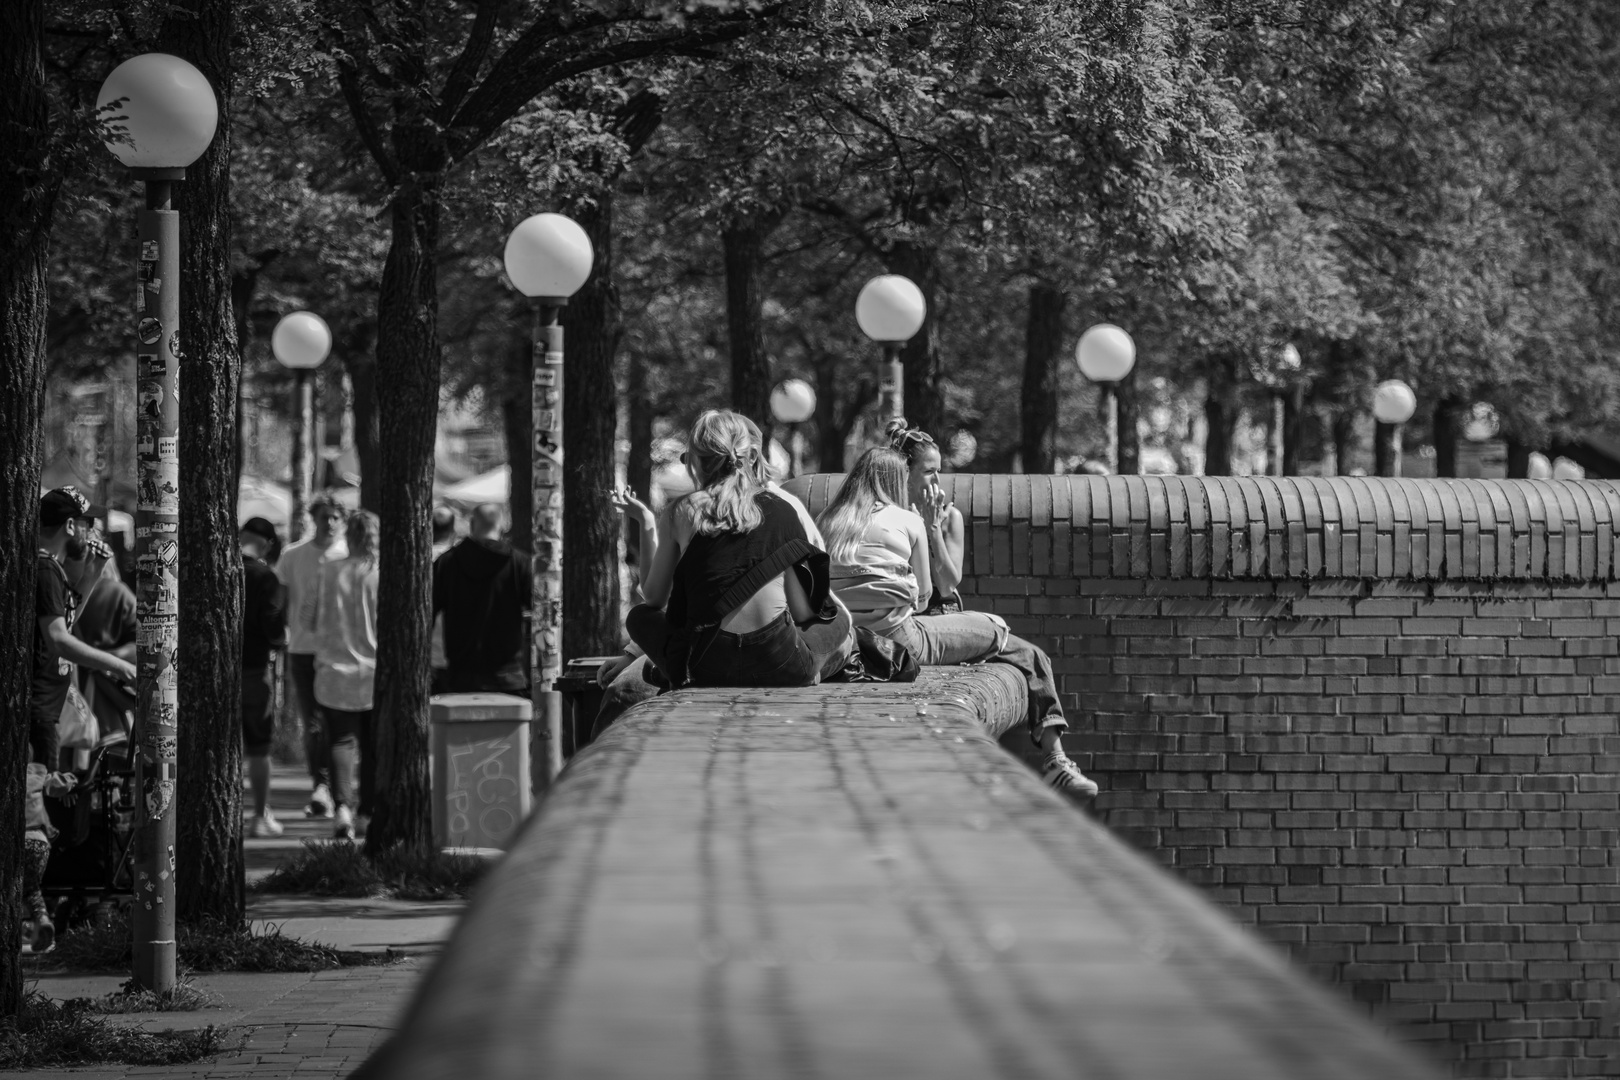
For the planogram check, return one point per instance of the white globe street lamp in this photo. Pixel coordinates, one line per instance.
(548, 257)
(1106, 354)
(1282, 382)
(890, 310)
(301, 342)
(1393, 405)
(160, 114)
(792, 403)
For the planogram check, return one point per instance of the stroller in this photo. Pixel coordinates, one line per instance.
(90, 865)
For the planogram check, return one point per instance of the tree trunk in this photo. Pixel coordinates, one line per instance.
(360, 360)
(517, 415)
(1344, 441)
(592, 327)
(639, 464)
(1518, 458)
(1043, 346)
(1293, 428)
(1220, 414)
(407, 409)
(744, 241)
(1130, 439)
(924, 365)
(209, 799)
(1445, 436)
(27, 196)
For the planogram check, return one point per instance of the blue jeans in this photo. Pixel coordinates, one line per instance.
(776, 654)
(967, 637)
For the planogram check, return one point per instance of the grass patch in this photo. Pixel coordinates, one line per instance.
(106, 946)
(327, 869)
(49, 1033)
(186, 996)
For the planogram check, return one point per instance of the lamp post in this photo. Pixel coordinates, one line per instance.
(301, 342)
(1282, 383)
(161, 114)
(1106, 354)
(792, 403)
(890, 310)
(548, 257)
(1393, 405)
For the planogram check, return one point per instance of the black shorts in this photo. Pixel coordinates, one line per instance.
(258, 711)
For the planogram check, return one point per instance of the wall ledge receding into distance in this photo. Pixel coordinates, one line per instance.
(1376, 719)
(1283, 527)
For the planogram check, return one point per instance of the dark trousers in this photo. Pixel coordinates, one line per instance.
(316, 752)
(349, 736)
(44, 743)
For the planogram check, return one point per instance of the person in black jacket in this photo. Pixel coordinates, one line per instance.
(264, 630)
(483, 586)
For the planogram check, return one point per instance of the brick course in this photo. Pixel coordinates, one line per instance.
(1375, 718)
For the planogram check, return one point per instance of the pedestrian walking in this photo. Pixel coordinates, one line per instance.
(341, 618)
(483, 587)
(264, 630)
(299, 568)
(106, 621)
(63, 535)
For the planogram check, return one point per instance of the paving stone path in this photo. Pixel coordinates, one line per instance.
(852, 882)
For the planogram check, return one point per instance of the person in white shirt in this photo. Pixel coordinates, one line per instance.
(299, 569)
(342, 616)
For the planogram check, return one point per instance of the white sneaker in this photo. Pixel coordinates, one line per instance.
(1064, 775)
(343, 826)
(265, 826)
(320, 803)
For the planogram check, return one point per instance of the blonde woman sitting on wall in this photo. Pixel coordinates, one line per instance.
(736, 592)
(881, 571)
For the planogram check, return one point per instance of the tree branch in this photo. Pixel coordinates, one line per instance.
(528, 69)
(465, 70)
(365, 124)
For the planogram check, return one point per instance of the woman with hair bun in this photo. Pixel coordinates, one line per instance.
(881, 571)
(941, 519)
(737, 593)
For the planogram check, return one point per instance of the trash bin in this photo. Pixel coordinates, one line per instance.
(481, 789)
(581, 700)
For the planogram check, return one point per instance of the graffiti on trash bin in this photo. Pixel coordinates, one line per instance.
(482, 790)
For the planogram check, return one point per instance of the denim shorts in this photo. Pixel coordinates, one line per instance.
(774, 655)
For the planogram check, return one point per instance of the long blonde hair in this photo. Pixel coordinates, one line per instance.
(726, 448)
(361, 532)
(879, 476)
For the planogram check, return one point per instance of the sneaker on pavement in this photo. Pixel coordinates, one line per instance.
(343, 826)
(44, 934)
(265, 826)
(320, 803)
(1064, 775)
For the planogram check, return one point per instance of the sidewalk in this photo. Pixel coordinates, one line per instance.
(312, 1026)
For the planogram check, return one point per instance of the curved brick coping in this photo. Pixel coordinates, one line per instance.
(1282, 527)
(850, 882)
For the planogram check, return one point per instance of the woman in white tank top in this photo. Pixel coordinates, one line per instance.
(881, 571)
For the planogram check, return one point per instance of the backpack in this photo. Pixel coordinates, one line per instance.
(878, 659)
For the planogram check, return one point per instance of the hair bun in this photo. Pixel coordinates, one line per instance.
(897, 426)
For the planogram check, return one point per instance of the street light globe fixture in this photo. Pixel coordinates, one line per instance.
(548, 256)
(1482, 423)
(890, 309)
(793, 401)
(1105, 353)
(1288, 361)
(1393, 402)
(301, 340)
(161, 110)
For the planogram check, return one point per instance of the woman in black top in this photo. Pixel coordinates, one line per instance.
(736, 593)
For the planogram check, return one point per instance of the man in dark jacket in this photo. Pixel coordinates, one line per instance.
(264, 630)
(483, 586)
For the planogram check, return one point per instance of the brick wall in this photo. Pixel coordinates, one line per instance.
(1376, 718)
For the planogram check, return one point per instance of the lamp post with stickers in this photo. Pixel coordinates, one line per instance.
(159, 115)
(548, 257)
(301, 342)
